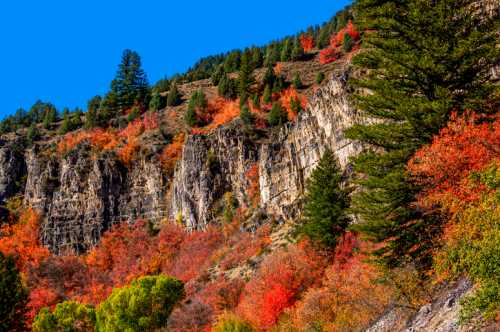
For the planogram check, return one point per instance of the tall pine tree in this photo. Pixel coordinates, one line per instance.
(326, 203)
(13, 297)
(424, 60)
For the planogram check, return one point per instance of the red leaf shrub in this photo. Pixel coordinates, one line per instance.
(307, 42)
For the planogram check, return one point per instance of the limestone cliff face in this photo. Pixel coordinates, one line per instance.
(214, 164)
(12, 170)
(82, 195)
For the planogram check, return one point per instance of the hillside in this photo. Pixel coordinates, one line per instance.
(344, 179)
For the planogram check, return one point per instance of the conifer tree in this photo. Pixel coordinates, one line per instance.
(326, 203)
(257, 57)
(347, 43)
(286, 50)
(217, 75)
(297, 82)
(297, 51)
(50, 116)
(417, 75)
(320, 77)
(13, 297)
(66, 125)
(93, 106)
(33, 133)
(245, 78)
(174, 97)
(277, 116)
(157, 102)
(227, 88)
(197, 104)
(76, 118)
(245, 115)
(130, 84)
(267, 97)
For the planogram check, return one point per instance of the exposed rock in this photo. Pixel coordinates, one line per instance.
(12, 169)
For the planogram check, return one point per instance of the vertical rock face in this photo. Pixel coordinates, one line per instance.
(82, 195)
(12, 169)
(285, 159)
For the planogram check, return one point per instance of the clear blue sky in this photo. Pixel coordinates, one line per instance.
(67, 51)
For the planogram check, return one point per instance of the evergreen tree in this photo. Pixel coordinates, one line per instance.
(245, 115)
(217, 75)
(50, 116)
(232, 62)
(33, 133)
(13, 297)
(174, 97)
(134, 114)
(257, 57)
(197, 105)
(66, 125)
(130, 84)
(245, 78)
(286, 51)
(323, 39)
(277, 116)
(326, 203)
(267, 97)
(227, 88)
(347, 43)
(297, 51)
(157, 102)
(256, 101)
(269, 77)
(320, 77)
(76, 118)
(93, 106)
(297, 82)
(417, 75)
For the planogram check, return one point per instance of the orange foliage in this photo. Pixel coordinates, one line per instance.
(253, 189)
(468, 144)
(22, 241)
(337, 39)
(41, 297)
(349, 298)
(329, 55)
(172, 153)
(286, 98)
(281, 278)
(307, 42)
(150, 121)
(127, 152)
(278, 68)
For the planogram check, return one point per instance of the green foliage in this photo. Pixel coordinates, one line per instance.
(68, 316)
(320, 77)
(227, 88)
(246, 116)
(347, 43)
(130, 84)
(245, 78)
(267, 97)
(50, 116)
(297, 82)
(297, 51)
(217, 75)
(232, 323)
(232, 61)
(93, 106)
(326, 203)
(286, 50)
(277, 116)
(157, 102)
(76, 118)
(67, 124)
(145, 305)
(197, 103)
(417, 75)
(13, 296)
(33, 133)
(134, 114)
(162, 85)
(174, 97)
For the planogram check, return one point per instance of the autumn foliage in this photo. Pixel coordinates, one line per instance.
(172, 152)
(287, 99)
(307, 42)
(468, 144)
(333, 52)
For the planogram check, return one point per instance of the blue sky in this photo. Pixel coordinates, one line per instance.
(68, 51)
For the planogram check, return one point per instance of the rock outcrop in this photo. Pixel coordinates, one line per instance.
(217, 163)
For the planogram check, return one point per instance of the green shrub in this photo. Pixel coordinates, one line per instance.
(68, 316)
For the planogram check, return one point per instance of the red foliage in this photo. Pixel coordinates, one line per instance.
(286, 98)
(253, 189)
(21, 240)
(278, 68)
(150, 121)
(307, 42)
(329, 55)
(172, 153)
(337, 39)
(468, 144)
(284, 275)
(41, 297)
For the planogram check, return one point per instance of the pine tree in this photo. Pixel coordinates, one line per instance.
(227, 88)
(197, 105)
(76, 118)
(245, 115)
(130, 84)
(174, 97)
(217, 75)
(297, 51)
(13, 297)
(347, 43)
(245, 78)
(297, 82)
(93, 106)
(50, 116)
(257, 57)
(267, 97)
(66, 125)
(320, 77)
(286, 51)
(277, 116)
(33, 133)
(417, 75)
(326, 203)
(157, 102)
